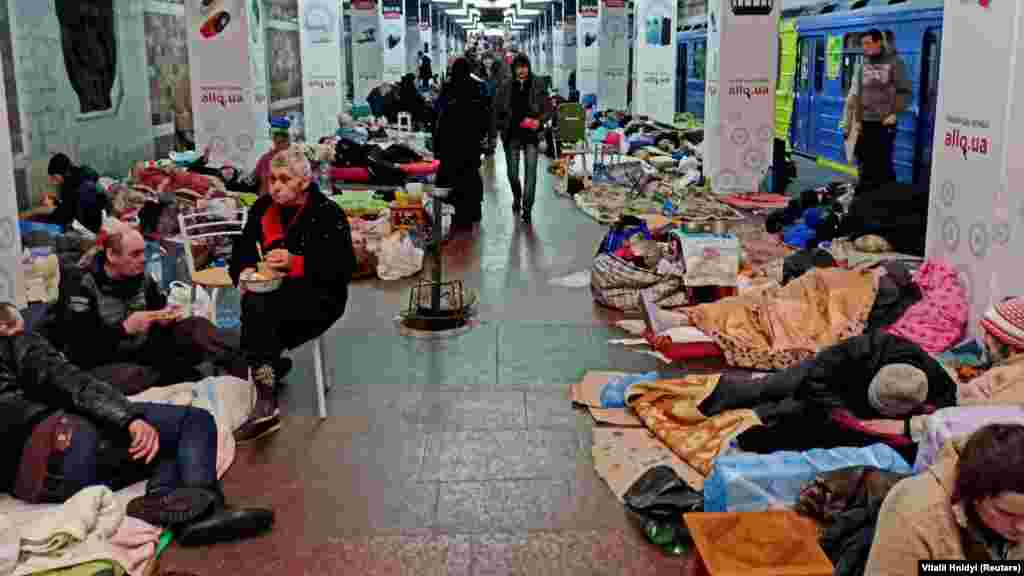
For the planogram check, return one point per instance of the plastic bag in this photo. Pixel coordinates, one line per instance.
(180, 295)
(759, 482)
(398, 257)
(447, 212)
(660, 498)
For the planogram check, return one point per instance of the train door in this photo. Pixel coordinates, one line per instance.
(682, 66)
(930, 58)
(810, 84)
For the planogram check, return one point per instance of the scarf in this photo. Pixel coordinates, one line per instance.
(274, 233)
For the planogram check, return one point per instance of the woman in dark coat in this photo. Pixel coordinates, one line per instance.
(463, 114)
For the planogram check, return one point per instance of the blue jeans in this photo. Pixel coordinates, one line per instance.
(187, 456)
(513, 148)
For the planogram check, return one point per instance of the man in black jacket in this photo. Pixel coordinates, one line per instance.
(519, 117)
(304, 237)
(135, 340)
(104, 439)
(874, 375)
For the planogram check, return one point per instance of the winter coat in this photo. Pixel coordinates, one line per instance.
(90, 302)
(846, 503)
(503, 104)
(37, 380)
(320, 233)
(463, 116)
(838, 377)
(81, 200)
(798, 405)
(919, 521)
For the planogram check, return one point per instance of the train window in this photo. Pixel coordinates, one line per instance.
(819, 65)
(699, 49)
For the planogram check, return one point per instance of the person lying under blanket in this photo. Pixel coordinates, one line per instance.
(62, 430)
(968, 506)
(1002, 382)
(870, 376)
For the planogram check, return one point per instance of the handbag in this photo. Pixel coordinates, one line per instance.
(40, 478)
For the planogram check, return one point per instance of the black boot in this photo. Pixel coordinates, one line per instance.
(225, 524)
(265, 418)
(178, 507)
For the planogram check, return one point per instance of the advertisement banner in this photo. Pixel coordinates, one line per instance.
(321, 66)
(392, 40)
(569, 53)
(12, 274)
(588, 44)
(258, 73)
(977, 210)
(438, 61)
(654, 59)
(367, 61)
(549, 44)
(614, 55)
(223, 87)
(739, 106)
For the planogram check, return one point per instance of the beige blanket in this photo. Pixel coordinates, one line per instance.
(782, 326)
(92, 525)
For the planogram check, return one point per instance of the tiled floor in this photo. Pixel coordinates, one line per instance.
(458, 456)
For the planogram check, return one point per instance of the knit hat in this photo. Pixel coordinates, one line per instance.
(898, 389)
(1005, 322)
(60, 165)
(280, 126)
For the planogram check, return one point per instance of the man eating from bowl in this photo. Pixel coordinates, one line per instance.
(114, 320)
(298, 237)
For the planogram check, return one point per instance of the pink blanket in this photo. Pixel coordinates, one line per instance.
(938, 321)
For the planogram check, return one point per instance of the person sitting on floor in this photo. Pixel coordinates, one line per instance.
(79, 198)
(64, 430)
(300, 234)
(968, 506)
(132, 338)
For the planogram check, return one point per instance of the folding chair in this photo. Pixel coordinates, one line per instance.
(208, 226)
(572, 131)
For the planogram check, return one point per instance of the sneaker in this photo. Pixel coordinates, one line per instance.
(179, 507)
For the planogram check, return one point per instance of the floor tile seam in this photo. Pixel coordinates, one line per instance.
(553, 479)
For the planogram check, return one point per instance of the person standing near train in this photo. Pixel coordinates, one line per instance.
(880, 91)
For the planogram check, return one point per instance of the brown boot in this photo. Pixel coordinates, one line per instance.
(265, 418)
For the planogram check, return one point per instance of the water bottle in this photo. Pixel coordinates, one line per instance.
(155, 263)
(229, 308)
(325, 179)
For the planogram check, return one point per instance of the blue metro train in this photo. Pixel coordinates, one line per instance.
(913, 27)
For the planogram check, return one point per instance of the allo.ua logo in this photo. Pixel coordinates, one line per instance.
(966, 144)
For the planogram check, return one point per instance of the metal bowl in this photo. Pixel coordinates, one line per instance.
(262, 286)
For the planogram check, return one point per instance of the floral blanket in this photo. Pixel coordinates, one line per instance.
(669, 409)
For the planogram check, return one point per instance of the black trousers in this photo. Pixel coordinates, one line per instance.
(171, 355)
(285, 319)
(875, 153)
